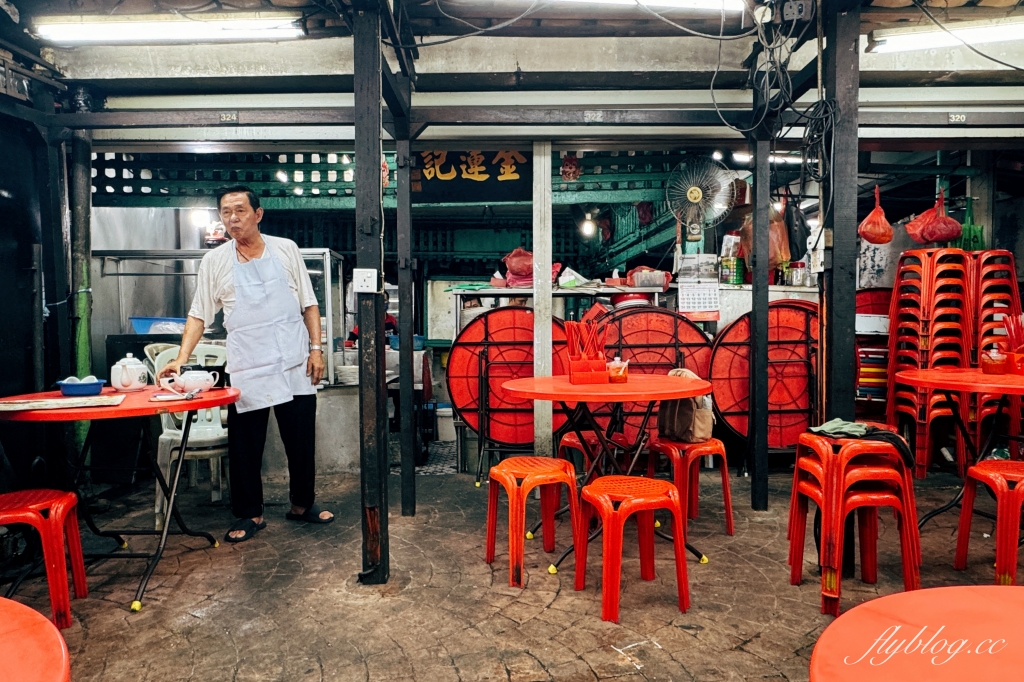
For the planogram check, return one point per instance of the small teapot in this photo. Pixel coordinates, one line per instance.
(129, 374)
(192, 381)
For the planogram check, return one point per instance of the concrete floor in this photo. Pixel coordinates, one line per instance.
(286, 605)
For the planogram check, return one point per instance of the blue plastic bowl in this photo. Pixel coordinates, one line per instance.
(419, 342)
(393, 341)
(91, 388)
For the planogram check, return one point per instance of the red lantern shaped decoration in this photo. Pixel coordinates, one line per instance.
(645, 213)
(571, 170)
(385, 172)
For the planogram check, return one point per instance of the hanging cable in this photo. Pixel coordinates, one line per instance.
(535, 7)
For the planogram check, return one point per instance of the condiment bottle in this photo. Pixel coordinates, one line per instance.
(618, 371)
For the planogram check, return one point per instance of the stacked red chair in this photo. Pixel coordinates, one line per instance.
(842, 476)
(53, 514)
(997, 475)
(932, 325)
(614, 499)
(520, 475)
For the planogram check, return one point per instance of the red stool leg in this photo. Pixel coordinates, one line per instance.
(723, 466)
(611, 569)
(56, 572)
(492, 518)
(867, 525)
(645, 531)
(1006, 569)
(694, 492)
(550, 496)
(586, 512)
(963, 534)
(74, 541)
(796, 541)
(911, 570)
(679, 546)
(516, 533)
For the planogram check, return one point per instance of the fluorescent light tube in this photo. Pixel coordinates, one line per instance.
(219, 27)
(932, 37)
(705, 5)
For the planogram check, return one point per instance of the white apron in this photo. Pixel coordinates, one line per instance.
(266, 335)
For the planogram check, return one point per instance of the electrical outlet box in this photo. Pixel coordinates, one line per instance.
(796, 10)
(364, 280)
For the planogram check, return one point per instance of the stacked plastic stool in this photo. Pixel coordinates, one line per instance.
(997, 475)
(614, 499)
(53, 514)
(520, 475)
(842, 476)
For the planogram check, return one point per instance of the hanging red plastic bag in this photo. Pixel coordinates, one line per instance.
(778, 239)
(875, 228)
(915, 227)
(942, 228)
(519, 262)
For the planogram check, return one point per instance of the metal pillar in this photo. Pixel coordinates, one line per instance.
(757, 436)
(841, 76)
(373, 413)
(405, 326)
(80, 303)
(542, 431)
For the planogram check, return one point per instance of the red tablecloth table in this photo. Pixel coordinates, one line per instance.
(944, 634)
(31, 648)
(950, 381)
(640, 388)
(135, 404)
(574, 399)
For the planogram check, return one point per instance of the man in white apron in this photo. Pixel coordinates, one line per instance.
(271, 314)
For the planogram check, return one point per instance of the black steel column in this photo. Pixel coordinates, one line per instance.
(757, 430)
(841, 77)
(373, 413)
(405, 322)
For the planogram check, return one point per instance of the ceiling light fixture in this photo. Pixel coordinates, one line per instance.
(707, 5)
(743, 157)
(588, 228)
(215, 27)
(931, 37)
(717, 156)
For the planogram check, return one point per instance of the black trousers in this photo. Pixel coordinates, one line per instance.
(247, 435)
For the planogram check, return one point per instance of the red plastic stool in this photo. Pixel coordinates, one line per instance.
(997, 474)
(590, 446)
(60, 522)
(32, 650)
(548, 473)
(685, 460)
(634, 495)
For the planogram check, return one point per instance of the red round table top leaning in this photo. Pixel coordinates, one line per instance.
(135, 404)
(639, 388)
(944, 634)
(964, 380)
(31, 648)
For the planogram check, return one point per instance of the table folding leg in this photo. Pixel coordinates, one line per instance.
(170, 492)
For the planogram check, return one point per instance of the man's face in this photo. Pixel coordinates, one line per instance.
(238, 216)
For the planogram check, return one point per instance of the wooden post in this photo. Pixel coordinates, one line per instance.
(757, 430)
(373, 413)
(542, 432)
(983, 189)
(405, 325)
(841, 77)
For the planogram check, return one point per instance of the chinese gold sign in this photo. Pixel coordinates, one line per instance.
(470, 176)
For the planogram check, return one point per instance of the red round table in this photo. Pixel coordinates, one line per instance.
(945, 634)
(973, 380)
(135, 404)
(31, 648)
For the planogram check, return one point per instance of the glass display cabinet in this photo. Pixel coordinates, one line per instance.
(324, 267)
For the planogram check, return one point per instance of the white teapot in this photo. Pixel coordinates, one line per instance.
(192, 381)
(129, 374)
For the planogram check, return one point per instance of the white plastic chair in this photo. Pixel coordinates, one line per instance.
(207, 439)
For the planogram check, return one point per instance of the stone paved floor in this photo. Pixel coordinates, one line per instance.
(286, 605)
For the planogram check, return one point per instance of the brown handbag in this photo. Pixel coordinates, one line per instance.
(685, 420)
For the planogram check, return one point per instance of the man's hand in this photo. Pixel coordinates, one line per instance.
(172, 367)
(315, 366)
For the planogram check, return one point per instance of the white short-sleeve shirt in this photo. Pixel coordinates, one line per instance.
(215, 283)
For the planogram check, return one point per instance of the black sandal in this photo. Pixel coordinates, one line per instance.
(248, 525)
(311, 515)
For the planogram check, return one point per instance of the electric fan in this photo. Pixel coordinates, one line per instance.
(700, 193)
